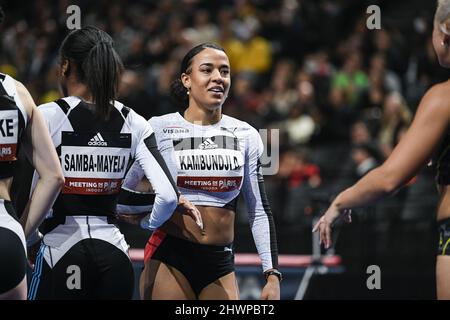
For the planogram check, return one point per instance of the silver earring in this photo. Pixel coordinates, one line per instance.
(444, 44)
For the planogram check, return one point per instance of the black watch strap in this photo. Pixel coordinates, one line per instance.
(276, 273)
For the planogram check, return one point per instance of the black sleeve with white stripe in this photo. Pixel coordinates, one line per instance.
(151, 144)
(134, 202)
(156, 171)
(131, 201)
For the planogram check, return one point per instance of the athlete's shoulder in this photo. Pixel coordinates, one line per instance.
(169, 120)
(50, 110)
(5, 78)
(237, 125)
(127, 112)
(243, 130)
(124, 110)
(165, 118)
(11, 83)
(48, 106)
(439, 91)
(227, 120)
(437, 100)
(135, 124)
(59, 106)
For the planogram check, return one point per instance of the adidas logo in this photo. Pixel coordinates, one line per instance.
(97, 140)
(208, 144)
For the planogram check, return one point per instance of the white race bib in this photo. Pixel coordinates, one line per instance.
(9, 134)
(95, 163)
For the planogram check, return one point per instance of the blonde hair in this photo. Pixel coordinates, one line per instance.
(442, 16)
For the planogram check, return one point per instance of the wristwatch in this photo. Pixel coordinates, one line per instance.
(274, 272)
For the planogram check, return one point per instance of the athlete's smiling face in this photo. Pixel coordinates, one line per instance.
(208, 78)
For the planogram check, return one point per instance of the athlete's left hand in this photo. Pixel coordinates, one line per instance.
(326, 222)
(186, 207)
(271, 290)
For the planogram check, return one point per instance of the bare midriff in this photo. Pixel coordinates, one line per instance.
(218, 226)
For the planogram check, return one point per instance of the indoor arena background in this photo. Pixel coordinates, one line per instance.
(340, 94)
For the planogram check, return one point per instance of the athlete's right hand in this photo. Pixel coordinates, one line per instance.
(186, 207)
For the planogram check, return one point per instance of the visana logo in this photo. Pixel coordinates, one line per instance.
(97, 140)
(172, 130)
(208, 144)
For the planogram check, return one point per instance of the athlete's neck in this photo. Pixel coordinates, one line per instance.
(203, 116)
(76, 89)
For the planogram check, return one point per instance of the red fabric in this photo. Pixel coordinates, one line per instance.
(300, 174)
(153, 243)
